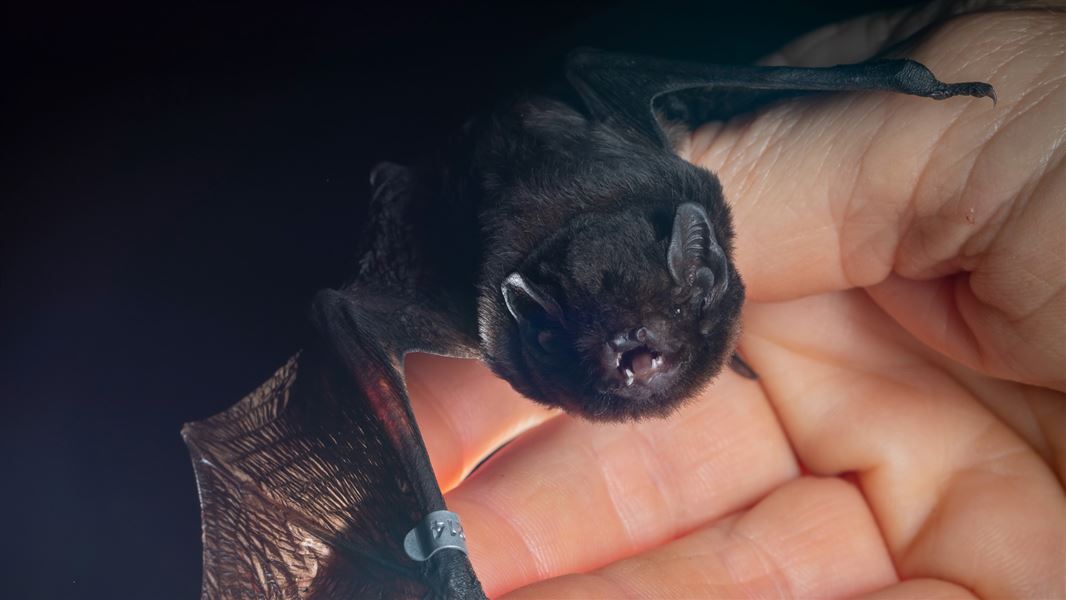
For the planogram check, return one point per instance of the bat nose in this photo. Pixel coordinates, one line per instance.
(629, 339)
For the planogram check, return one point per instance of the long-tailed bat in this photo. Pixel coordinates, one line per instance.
(566, 246)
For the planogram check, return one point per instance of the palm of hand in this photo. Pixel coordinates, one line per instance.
(895, 433)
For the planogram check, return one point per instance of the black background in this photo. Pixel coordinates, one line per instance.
(178, 178)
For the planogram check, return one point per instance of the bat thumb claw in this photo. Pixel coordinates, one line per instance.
(977, 89)
(992, 94)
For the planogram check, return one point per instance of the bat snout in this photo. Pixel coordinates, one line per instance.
(633, 358)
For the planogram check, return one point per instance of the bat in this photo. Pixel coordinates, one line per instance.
(561, 242)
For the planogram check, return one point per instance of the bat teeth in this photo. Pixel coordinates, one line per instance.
(629, 377)
(656, 362)
(618, 359)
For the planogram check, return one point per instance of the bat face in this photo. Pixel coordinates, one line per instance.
(625, 315)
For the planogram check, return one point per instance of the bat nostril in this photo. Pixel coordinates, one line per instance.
(629, 339)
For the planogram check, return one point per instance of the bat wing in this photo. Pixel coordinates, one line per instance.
(310, 485)
(628, 91)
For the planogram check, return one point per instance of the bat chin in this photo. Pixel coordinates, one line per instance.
(647, 403)
(627, 384)
(632, 399)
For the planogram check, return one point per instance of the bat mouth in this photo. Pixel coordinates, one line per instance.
(640, 365)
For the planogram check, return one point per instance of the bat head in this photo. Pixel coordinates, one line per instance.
(625, 315)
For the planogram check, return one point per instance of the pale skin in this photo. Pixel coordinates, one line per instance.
(906, 268)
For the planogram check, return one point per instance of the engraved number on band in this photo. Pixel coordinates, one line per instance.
(438, 530)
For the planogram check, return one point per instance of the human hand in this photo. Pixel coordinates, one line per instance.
(906, 269)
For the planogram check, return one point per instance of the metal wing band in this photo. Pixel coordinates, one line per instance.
(439, 530)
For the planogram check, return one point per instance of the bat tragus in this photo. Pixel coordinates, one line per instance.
(597, 277)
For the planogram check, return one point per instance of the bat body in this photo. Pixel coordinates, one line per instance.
(563, 244)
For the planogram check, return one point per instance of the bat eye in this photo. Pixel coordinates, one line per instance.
(662, 222)
(677, 311)
(549, 341)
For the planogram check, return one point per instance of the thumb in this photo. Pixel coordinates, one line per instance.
(822, 187)
(862, 38)
(846, 190)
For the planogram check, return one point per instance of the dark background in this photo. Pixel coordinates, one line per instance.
(178, 178)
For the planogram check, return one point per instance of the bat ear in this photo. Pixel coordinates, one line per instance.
(528, 304)
(696, 261)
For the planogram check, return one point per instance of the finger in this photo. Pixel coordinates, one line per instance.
(854, 40)
(926, 589)
(465, 412)
(572, 495)
(1022, 339)
(957, 494)
(862, 38)
(810, 538)
(837, 191)
(867, 36)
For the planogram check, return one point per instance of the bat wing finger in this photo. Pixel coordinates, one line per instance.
(310, 485)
